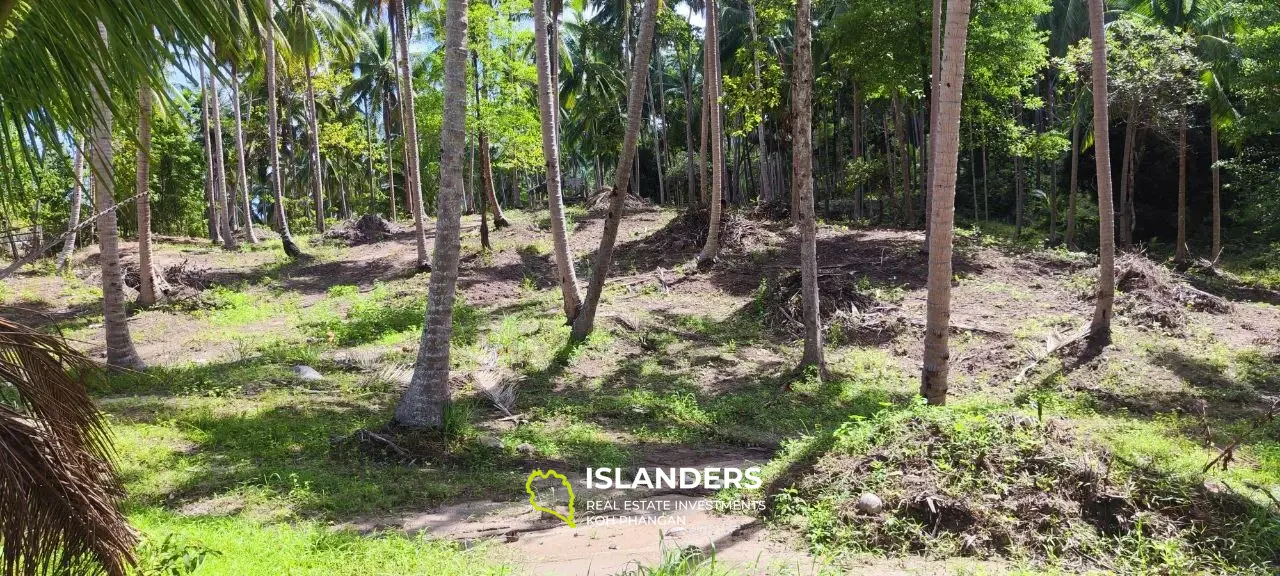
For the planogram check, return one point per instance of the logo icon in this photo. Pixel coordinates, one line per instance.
(533, 498)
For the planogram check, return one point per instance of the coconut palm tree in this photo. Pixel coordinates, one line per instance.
(945, 142)
(802, 181)
(585, 321)
(1100, 327)
(305, 23)
(77, 199)
(267, 32)
(120, 351)
(424, 400)
(711, 80)
(146, 270)
(219, 166)
(408, 119)
(59, 498)
(375, 81)
(548, 110)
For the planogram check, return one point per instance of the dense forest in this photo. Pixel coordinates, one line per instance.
(293, 286)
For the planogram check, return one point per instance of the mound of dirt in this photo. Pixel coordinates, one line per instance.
(368, 229)
(177, 281)
(600, 201)
(997, 484)
(1151, 295)
(689, 230)
(844, 305)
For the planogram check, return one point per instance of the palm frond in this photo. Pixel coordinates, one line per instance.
(58, 494)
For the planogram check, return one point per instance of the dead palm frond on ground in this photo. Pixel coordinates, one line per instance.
(59, 496)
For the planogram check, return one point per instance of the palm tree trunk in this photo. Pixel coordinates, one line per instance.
(548, 109)
(802, 183)
(77, 199)
(688, 133)
(408, 117)
(313, 121)
(585, 321)
(219, 167)
(711, 249)
(1126, 168)
(1217, 189)
(120, 350)
(704, 193)
(146, 270)
(945, 142)
(486, 161)
(241, 160)
(211, 211)
(424, 400)
(1074, 186)
(391, 168)
(1181, 254)
(890, 173)
(1100, 327)
(860, 191)
(908, 216)
(766, 193)
(273, 136)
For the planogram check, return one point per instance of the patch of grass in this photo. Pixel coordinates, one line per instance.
(381, 316)
(241, 305)
(234, 546)
(578, 443)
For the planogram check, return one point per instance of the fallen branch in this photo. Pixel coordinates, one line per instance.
(1050, 348)
(1228, 453)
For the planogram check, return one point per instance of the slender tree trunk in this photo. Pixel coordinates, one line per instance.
(986, 184)
(424, 400)
(391, 167)
(77, 199)
(802, 183)
(1019, 193)
(859, 192)
(908, 215)
(120, 351)
(317, 179)
(704, 194)
(219, 167)
(486, 161)
(688, 135)
(1101, 324)
(891, 172)
(712, 247)
(946, 144)
(211, 211)
(408, 117)
(548, 109)
(146, 270)
(1181, 255)
(1074, 186)
(935, 86)
(585, 321)
(1130, 135)
(273, 137)
(1217, 188)
(241, 158)
(766, 194)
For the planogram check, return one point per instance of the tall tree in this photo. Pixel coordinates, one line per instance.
(146, 269)
(1181, 254)
(715, 138)
(946, 145)
(77, 198)
(549, 111)
(120, 351)
(241, 160)
(409, 124)
(585, 321)
(267, 31)
(1100, 327)
(802, 182)
(220, 166)
(424, 400)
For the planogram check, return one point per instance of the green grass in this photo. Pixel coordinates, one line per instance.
(234, 546)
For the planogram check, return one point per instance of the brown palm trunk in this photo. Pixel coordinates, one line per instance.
(273, 137)
(413, 178)
(146, 270)
(120, 350)
(1100, 327)
(802, 184)
(241, 160)
(1217, 188)
(548, 110)
(1074, 186)
(1181, 255)
(1126, 168)
(711, 249)
(220, 167)
(317, 178)
(424, 400)
(211, 211)
(946, 144)
(585, 321)
(908, 216)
